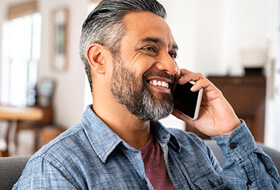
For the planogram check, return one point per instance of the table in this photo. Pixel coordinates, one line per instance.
(13, 115)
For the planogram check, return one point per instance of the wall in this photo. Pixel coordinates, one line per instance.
(69, 95)
(210, 34)
(2, 18)
(273, 93)
(247, 26)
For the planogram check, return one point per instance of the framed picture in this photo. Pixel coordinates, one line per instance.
(45, 91)
(60, 20)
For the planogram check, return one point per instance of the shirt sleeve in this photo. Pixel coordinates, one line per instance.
(246, 166)
(41, 174)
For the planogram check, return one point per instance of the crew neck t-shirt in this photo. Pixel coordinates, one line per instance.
(155, 167)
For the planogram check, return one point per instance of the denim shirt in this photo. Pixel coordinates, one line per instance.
(91, 156)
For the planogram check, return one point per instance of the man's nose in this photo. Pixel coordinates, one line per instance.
(167, 64)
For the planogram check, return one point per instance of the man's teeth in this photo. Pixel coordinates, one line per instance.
(159, 83)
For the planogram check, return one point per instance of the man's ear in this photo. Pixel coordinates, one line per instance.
(96, 57)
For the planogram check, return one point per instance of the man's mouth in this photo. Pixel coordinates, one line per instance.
(159, 83)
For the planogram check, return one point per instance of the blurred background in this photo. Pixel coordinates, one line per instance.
(44, 90)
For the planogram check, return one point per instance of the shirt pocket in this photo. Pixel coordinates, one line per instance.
(211, 180)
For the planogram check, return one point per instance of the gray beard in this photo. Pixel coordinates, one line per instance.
(137, 98)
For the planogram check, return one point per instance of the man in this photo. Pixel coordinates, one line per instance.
(129, 54)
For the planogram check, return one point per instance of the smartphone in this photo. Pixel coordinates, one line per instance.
(186, 101)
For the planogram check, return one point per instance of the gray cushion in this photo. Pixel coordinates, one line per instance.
(10, 170)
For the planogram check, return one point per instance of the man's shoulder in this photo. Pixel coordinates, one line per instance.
(70, 156)
(59, 160)
(72, 142)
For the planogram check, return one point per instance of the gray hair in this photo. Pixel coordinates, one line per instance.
(104, 25)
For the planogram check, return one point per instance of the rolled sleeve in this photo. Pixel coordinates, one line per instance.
(247, 166)
(239, 144)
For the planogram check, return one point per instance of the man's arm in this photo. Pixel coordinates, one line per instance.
(246, 165)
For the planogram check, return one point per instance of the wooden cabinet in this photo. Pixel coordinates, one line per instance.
(246, 94)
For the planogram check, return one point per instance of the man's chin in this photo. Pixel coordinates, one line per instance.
(153, 119)
(162, 111)
(162, 97)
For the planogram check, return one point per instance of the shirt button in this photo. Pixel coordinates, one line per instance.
(145, 181)
(233, 145)
(249, 182)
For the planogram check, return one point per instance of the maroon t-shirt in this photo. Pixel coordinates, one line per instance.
(155, 167)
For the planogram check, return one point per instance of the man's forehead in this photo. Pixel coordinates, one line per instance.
(146, 26)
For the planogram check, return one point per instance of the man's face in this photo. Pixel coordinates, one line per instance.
(145, 70)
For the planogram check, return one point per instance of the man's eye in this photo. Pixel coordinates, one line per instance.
(150, 48)
(173, 55)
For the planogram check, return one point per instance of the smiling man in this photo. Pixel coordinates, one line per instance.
(129, 54)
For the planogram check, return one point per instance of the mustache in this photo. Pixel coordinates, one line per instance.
(161, 74)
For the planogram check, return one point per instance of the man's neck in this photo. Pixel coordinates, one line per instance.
(127, 126)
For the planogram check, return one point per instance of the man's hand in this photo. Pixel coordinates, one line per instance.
(216, 116)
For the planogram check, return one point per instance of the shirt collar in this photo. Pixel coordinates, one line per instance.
(104, 141)
(165, 136)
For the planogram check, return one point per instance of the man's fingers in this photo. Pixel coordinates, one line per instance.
(198, 78)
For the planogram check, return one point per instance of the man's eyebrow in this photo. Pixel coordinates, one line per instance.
(157, 41)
